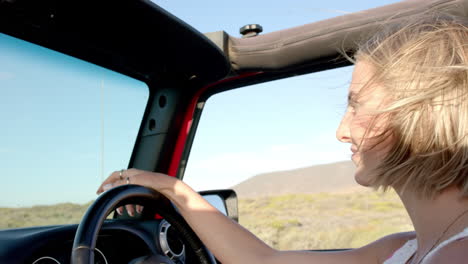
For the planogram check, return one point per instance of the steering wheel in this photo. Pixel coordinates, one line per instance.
(87, 232)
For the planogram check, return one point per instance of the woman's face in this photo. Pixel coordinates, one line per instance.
(367, 152)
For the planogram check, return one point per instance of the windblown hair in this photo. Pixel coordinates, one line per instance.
(422, 64)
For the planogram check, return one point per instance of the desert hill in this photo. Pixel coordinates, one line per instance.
(321, 178)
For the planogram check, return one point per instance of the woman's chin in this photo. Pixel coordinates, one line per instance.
(361, 178)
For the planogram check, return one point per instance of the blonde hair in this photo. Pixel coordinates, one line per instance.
(422, 64)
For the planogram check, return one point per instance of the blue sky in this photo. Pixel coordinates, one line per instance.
(54, 139)
(242, 132)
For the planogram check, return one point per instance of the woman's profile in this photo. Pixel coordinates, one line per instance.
(407, 126)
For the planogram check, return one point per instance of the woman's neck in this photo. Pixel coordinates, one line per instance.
(431, 217)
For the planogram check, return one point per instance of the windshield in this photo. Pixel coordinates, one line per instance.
(66, 124)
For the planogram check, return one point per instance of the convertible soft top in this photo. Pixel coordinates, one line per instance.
(313, 43)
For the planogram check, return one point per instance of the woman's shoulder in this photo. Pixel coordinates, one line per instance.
(387, 245)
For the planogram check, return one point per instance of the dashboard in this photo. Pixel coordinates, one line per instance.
(120, 241)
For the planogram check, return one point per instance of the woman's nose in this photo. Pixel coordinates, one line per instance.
(342, 132)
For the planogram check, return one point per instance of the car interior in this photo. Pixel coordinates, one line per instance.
(172, 70)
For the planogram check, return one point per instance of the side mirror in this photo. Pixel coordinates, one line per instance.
(223, 200)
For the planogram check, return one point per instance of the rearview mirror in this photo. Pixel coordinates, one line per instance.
(223, 200)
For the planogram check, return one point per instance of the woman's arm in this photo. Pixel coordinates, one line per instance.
(227, 240)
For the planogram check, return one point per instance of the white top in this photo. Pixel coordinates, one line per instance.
(403, 254)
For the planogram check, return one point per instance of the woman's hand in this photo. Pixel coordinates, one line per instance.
(226, 239)
(157, 181)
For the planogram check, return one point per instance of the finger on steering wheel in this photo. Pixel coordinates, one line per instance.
(110, 182)
(118, 178)
(130, 209)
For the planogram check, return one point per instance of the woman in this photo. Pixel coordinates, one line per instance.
(406, 121)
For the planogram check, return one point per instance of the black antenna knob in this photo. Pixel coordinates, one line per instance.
(250, 30)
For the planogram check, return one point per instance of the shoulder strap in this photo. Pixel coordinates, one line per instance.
(458, 236)
(404, 253)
